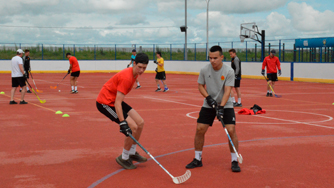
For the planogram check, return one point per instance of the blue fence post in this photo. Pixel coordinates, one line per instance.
(320, 58)
(153, 51)
(42, 52)
(171, 51)
(63, 51)
(246, 52)
(279, 50)
(94, 52)
(115, 52)
(195, 51)
(291, 71)
(299, 55)
(20, 45)
(74, 49)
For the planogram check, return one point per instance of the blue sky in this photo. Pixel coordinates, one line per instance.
(145, 20)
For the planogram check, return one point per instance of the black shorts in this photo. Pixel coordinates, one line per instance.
(208, 115)
(18, 81)
(110, 111)
(237, 83)
(75, 74)
(272, 76)
(160, 76)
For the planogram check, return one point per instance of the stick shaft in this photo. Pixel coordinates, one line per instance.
(269, 85)
(34, 91)
(150, 155)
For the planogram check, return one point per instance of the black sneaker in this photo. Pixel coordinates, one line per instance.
(234, 103)
(138, 87)
(72, 91)
(23, 102)
(76, 91)
(127, 164)
(235, 166)
(12, 102)
(195, 163)
(238, 105)
(138, 158)
(29, 91)
(159, 89)
(20, 90)
(267, 94)
(270, 94)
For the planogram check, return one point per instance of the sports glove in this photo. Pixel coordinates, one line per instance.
(25, 75)
(127, 66)
(124, 128)
(211, 102)
(155, 62)
(220, 112)
(262, 72)
(69, 71)
(279, 72)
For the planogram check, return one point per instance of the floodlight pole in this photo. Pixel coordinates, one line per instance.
(207, 29)
(185, 44)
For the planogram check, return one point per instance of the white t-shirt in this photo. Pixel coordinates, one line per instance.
(16, 61)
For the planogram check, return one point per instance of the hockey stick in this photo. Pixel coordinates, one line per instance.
(41, 101)
(278, 96)
(176, 180)
(54, 87)
(39, 91)
(240, 159)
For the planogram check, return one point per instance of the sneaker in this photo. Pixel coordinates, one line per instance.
(238, 105)
(159, 89)
(29, 91)
(23, 102)
(235, 166)
(195, 163)
(76, 91)
(138, 87)
(138, 158)
(72, 91)
(166, 89)
(234, 104)
(267, 94)
(270, 94)
(20, 90)
(127, 164)
(12, 102)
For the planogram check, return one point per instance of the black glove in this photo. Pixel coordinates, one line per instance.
(132, 59)
(262, 72)
(279, 72)
(124, 128)
(211, 102)
(69, 71)
(127, 66)
(220, 112)
(155, 62)
(25, 75)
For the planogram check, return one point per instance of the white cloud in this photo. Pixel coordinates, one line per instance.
(278, 25)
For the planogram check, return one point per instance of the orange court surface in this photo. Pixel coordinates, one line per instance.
(292, 145)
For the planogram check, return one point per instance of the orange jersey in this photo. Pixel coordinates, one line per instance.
(271, 64)
(75, 64)
(122, 82)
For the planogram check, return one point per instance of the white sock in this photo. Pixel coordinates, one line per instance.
(76, 88)
(27, 88)
(268, 91)
(233, 99)
(165, 86)
(133, 149)
(158, 86)
(138, 84)
(125, 154)
(198, 155)
(72, 87)
(234, 157)
(239, 100)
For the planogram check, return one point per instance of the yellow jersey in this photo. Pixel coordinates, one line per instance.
(161, 61)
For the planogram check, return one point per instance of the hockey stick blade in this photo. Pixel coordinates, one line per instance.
(183, 178)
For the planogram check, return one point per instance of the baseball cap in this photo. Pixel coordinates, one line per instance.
(19, 51)
(134, 50)
(273, 51)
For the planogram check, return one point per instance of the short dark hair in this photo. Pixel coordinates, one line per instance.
(232, 50)
(26, 50)
(216, 48)
(134, 50)
(68, 53)
(141, 58)
(159, 53)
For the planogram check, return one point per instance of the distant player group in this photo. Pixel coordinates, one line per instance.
(215, 83)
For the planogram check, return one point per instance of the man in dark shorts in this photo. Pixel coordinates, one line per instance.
(161, 74)
(110, 102)
(272, 63)
(215, 83)
(74, 67)
(236, 66)
(18, 77)
(26, 66)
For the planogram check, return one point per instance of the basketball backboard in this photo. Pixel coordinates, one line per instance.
(249, 30)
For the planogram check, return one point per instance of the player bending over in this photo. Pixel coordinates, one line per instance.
(110, 102)
(215, 83)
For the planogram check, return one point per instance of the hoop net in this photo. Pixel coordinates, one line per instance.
(183, 178)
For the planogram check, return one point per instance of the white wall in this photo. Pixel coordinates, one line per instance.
(301, 70)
